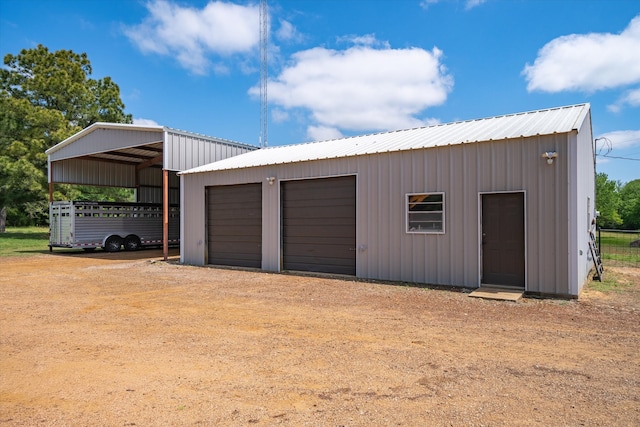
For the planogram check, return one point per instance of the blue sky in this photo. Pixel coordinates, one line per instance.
(348, 67)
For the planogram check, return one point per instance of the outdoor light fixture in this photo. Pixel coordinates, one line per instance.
(549, 155)
(270, 179)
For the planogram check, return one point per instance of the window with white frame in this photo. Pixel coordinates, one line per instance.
(425, 213)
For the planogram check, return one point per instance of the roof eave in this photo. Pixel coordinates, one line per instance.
(102, 125)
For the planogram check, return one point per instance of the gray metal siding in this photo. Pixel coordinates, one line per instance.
(91, 172)
(102, 140)
(150, 186)
(186, 151)
(386, 251)
(582, 205)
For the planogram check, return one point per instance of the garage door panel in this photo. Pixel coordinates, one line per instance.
(299, 191)
(234, 225)
(341, 233)
(235, 260)
(321, 212)
(240, 247)
(229, 211)
(241, 234)
(321, 265)
(318, 225)
(320, 249)
(322, 222)
(317, 202)
(231, 215)
(239, 225)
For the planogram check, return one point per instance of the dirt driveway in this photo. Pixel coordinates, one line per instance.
(128, 340)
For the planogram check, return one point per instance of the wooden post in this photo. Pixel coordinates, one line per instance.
(165, 213)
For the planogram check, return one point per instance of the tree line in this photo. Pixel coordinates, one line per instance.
(618, 204)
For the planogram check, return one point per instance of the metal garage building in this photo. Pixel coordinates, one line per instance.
(504, 200)
(146, 158)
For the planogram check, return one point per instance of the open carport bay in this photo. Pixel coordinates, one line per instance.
(124, 339)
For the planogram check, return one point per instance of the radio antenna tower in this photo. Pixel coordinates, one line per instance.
(264, 72)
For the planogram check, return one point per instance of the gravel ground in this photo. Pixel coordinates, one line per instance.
(128, 340)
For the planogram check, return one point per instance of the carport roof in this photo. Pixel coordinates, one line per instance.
(101, 125)
(134, 144)
(540, 122)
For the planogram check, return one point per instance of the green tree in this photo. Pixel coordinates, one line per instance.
(630, 205)
(61, 81)
(607, 201)
(45, 97)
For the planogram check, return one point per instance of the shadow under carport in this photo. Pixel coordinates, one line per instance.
(142, 254)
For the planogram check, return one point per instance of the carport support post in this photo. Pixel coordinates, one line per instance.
(50, 172)
(165, 213)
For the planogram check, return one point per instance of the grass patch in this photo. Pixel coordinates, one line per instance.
(616, 247)
(618, 238)
(612, 282)
(24, 241)
(623, 257)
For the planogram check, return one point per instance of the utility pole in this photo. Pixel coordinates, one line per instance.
(264, 71)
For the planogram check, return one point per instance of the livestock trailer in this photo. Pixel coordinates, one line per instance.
(110, 225)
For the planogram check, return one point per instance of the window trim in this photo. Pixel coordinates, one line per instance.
(408, 212)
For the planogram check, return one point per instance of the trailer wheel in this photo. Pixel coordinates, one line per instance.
(113, 244)
(132, 243)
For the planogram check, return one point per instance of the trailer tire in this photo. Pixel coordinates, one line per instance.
(113, 244)
(132, 243)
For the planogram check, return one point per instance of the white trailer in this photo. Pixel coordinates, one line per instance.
(110, 225)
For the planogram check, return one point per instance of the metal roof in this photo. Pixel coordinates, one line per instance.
(100, 125)
(130, 152)
(540, 122)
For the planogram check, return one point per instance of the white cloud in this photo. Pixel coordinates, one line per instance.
(287, 32)
(432, 121)
(323, 133)
(620, 139)
(426, 3)
(144, 122)
(366, 40)
(361, 88)
(631, 98)
(587, 62)
(278, 115)
(190, 34)
(469, 4)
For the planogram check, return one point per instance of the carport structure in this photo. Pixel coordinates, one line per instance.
(146, 158)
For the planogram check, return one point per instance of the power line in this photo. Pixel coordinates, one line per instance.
(617, 157)
(607, 146)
